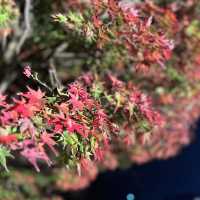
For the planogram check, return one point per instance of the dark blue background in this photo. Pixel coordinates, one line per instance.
(173, 179)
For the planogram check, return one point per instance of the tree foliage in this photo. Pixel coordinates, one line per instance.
(96, 85)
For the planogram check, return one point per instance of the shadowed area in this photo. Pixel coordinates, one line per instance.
(176, 178)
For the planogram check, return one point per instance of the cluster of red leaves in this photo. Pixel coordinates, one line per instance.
(176, 94)
(167, 141)
(129, 107)
(81, 125)
(129, 25)
(178, 98)
(99, 118)
(136, 30)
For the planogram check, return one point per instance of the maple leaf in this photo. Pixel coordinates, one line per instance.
(74, 88)
(85, 163)
(23, 108)
(130, 14)
(100, 118)
(96, 21)
(97, 4)
(47, 139)
(87, 78)
(82, 130)
(88, 167)
(135, 97)
(4, 153)
(73, 126)
(58, 128)
(77, 90)
(27, 125)
(63, 107)
(57, 122)
(128, 140)
(5, 117)
(116, 83)
(35, 97)
(34, 154)
(7, 139)
(99, 154)
(113, 5)
(69, 124)
(77, 104)
(167, 54)
(79, 97)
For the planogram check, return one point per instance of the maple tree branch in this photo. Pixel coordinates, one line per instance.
(27, 32)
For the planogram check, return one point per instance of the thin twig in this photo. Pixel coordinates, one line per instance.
(54, 76)
(35, 77)
(27, 18)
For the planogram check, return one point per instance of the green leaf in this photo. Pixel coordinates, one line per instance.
(193, 29)
(93, 142)
(76, 18)
(143, 126)
(69, 139)
(4, 154)
(97, 90)
(60, 18)
(7, 14)
(4, 17)
(51, 100)
(175, 75)
(14, 129)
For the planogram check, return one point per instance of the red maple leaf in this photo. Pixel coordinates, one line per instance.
(8, 116)
(27, 125)
(96, 21)
(76, 103)
(99, 154)
(73, 126)
(34, 154)
(22, 108)
(35, 97)
(7, 139)
(47, 139)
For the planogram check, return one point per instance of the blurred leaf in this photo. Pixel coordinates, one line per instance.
(4, 153)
